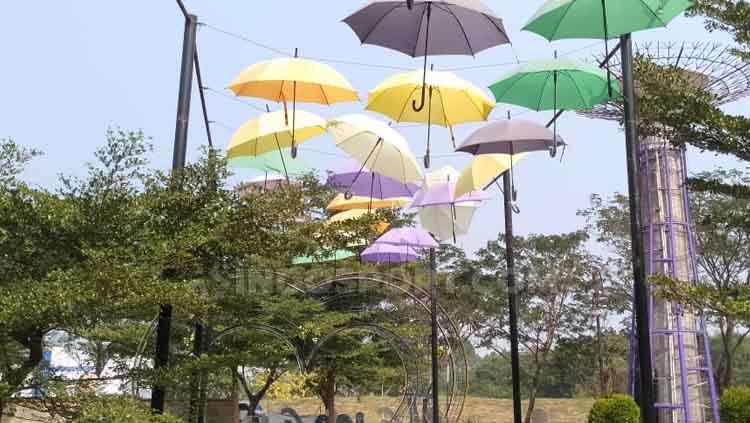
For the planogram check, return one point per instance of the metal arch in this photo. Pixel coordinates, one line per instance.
(269, 330)
(455, 402)
(141, 349)
(287, 280)
(399, 345)
(726, 76)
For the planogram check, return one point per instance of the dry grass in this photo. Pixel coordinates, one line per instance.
(476, 410)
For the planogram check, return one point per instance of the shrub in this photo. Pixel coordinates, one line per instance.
(615, 409)
(120, 410)
(734, 405)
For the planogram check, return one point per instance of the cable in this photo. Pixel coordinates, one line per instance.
(245, 39)
(233, 98)
(202, 97)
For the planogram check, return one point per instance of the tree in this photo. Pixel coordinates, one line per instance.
(550, 274)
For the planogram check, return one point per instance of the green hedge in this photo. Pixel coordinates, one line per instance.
(615, 409)
(120, 410)
(734, 405)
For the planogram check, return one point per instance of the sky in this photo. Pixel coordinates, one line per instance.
(71, 69)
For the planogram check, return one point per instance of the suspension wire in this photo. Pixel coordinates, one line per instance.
(234, 98)
(199, 78)
(245, 39)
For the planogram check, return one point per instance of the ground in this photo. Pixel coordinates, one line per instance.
(476, 410)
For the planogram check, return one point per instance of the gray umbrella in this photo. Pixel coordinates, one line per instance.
(511, 137)
(428, 27)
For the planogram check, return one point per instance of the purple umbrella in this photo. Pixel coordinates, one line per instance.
(354, 179)
(410, 237)
(428, 27)
(511, 137)
(387, 253)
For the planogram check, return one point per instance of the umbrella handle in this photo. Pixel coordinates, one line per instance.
(410, 4)
(424, 70)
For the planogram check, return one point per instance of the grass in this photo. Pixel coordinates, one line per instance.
(476, 410)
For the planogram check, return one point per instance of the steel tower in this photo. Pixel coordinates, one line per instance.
(680, 351)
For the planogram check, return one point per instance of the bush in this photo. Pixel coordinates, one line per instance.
(615, 409)
(120, 410)
(734, 405)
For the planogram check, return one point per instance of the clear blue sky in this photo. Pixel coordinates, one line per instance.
(72, 68)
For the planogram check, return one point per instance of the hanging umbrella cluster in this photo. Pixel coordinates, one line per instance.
(360, 181)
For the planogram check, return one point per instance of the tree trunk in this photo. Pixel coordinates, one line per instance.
(328, 395)
(532, 397)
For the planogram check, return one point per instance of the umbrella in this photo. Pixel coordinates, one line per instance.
(334, 256)
(341, 203)
(482, 171)
(376, 146)
(602, 19)
(358, 181)
(422, 28)
(452, 100)
(271, 162)
(270, 131)
(357, 214)
(499, 142)
(295, 79)
(439, 189)
(509, 137)
(554, 84)
(449, 220)
(411, 237)
(387, 253)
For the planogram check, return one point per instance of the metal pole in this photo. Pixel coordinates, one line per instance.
(434, 337)
(641, 296)
(163, 328)
(515, 361)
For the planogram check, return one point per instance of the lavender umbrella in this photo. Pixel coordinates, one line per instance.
(387, 253)
(368, 184)
(416, 238)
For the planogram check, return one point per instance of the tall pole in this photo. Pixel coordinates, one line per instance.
(515, 361)
(163, 328)
(640, 289)
(434, 337)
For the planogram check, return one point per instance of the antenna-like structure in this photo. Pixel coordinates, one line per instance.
(681, 357)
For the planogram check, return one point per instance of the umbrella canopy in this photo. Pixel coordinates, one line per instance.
(510, 137)
(340, 203)
(454, 100)
(439, 189)
(411, 237)
(554, 84)
(273, 161)
(334, 256)
(599, 19)
(294, 79)
(449, 220)
(462, 27)
(271, 132)
(376, 146)
(358, 181)
(356, 214)
(482, 170)
(451, 101)
(386, 253)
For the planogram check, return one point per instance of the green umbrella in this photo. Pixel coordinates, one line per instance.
(273, 161)
(553, 85)
(602, 19)
(335, 256)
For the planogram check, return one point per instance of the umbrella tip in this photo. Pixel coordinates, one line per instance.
(427, 160)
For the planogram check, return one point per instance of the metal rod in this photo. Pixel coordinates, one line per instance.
(512, 297)
(434, 338)
(199, 79)
(163, 328)
(639, 275)
(424, 74)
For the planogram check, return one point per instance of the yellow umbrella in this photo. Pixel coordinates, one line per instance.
(482, 170)
(340, 203)
(270, 131)
(356, 214)
(293, 79)
(450, 101)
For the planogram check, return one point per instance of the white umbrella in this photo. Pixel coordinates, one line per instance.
(377, 146)
(449, 220)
